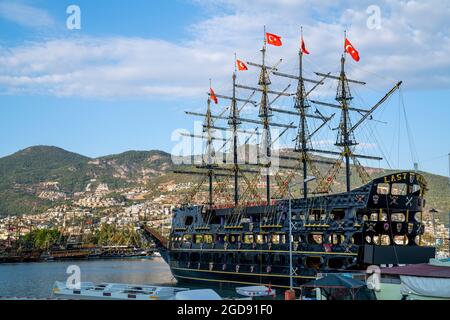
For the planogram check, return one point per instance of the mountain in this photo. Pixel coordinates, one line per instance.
(29, 173)
(31, 176)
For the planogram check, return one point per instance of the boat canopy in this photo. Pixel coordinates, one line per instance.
(334, 280)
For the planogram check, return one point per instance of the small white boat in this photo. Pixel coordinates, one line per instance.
(115, 291)
(201, 294)
(256, 291)
(156, 254)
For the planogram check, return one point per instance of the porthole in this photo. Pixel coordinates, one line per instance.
(418, 216)
(401, 240)
(398, 217)
(376, 240)
(385, 240)
(418, 240)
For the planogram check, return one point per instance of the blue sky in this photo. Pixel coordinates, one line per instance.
(123, 81)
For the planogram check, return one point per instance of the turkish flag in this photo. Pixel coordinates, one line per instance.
(304, 50)
(241, 65)
(273, 39)
(213, 96)
(351, 50)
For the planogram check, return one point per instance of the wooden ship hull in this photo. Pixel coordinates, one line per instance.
(334, 233)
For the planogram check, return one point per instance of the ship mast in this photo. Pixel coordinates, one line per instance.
(210, 153)
(343, 96)
(301, 105)
(345, 138)
(265, 115)
(233, 122)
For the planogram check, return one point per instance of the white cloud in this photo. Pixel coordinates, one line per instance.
(25, 15)
(408, 47)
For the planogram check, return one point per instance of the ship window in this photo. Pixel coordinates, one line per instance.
(313, 262)
(385, 240)
(336, 263)
(418, 240)
(188, 220)
(399, 189)
(248, 238)
(337, 214)
(365, 217)
(208, 238)
(315, 238)
(376, 240)
(336, 238)
(260, 239)
(234, 238)
(415, 188)
(418, 216)
(374, 216)
(198, 238)
(368, 239)
(384, 217)
(398, 217)
(383, 188)
(187, 238)
(401, 240)
(276, 239)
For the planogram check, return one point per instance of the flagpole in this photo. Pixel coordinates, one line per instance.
(345, 38)
(265, 38)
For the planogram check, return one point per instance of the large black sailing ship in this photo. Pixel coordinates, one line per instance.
(270, 238)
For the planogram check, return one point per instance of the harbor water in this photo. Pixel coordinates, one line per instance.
(35, 280)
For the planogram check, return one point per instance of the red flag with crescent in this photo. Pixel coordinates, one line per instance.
(213, 96)
(304, 50)
(351, 50)
(241, 65)
(273, 39)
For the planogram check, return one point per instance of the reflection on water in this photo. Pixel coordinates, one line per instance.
(36, 279)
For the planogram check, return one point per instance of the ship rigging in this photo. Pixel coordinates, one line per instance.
(247, 236)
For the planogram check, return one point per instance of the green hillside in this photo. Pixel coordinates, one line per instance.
(22, 174)
(28, 172)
